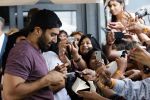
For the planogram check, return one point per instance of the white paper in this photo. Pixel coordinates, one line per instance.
(112, 67)
(79, 85)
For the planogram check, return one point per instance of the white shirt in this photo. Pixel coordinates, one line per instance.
(52, 60)
(1, 41)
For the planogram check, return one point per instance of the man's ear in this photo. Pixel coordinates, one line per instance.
(38, 31)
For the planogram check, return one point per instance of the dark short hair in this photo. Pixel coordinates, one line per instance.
(63, 31)
(32, 12)
(45, 19)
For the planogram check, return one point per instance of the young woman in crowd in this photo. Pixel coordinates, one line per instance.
(62, 35)
(77, 35)
(80, 53)
(118, 37)
(130, 90)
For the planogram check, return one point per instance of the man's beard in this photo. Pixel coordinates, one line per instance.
(42, 44)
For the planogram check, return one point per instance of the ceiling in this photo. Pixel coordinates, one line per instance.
(31, 2)
(74, 1)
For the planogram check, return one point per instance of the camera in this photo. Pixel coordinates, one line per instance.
(118, 36)
(143, 12)
(98, 55)
(124, 53)
(71, 39)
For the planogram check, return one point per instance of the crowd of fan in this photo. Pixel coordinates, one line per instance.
(38, 60)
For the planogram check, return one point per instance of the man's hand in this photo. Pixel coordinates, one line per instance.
(140, 55)
(56, 87)
(55, 80)
(54, 77)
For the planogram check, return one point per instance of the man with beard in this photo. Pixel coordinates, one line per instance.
(26, 76)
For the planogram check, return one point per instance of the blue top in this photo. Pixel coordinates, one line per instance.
(133, 90)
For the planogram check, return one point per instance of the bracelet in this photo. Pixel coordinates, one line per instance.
(112, 84)
(118, 72)
(145, 30)
(77, 60)
(101, 85)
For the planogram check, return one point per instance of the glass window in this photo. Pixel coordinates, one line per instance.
(68, 19)
(69, 22)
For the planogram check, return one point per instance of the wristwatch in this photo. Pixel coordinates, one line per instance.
(145, 30)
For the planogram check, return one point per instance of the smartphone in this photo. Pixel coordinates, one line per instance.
(124, 53)
(71, 39)
(119, 35)
(98, 55)
(112, 67)
(106, 30)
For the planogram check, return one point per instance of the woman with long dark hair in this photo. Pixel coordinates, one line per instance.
(87, 45)
(118, 38)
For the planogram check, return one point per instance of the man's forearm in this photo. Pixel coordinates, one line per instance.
(23, 90)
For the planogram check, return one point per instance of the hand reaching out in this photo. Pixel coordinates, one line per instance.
(122, 63)
(54, 77)
(135, 27)
(140, 55)
(116, 25)
(103, 76)
(133, 74)
(73, 48)
(89, 74)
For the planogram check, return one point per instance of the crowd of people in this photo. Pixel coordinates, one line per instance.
(42, 62)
